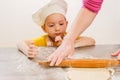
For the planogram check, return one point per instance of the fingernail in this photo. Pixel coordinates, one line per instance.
(57, 64)
(51, 64)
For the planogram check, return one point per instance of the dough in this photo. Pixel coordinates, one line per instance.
(88, 74)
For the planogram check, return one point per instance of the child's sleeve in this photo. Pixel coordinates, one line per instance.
(41, 41)
(93, 5)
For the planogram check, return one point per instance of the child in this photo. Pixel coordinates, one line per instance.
(52, 20)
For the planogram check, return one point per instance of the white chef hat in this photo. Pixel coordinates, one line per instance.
(54, 6)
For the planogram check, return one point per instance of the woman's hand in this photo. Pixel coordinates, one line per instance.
(117, 53)
(66, 49)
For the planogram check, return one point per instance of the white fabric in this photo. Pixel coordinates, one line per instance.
(55, 6)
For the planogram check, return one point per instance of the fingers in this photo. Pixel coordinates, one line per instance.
(64, 50)
(58, 39)
(52, 58)
(116, 53)
(57, 57)
(62, 55)
(31, 55)
(60, 58)
(53, 61)
(32, 51)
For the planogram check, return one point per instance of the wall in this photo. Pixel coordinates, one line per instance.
(16, 21)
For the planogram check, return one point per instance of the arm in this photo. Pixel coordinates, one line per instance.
(82, 22)
(84, 18)
(84, 41)
(28, 48)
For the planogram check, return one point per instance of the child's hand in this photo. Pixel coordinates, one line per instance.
(28, 48)
(58, 39)
(32, 50)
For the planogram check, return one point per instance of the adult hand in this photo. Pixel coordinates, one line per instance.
(66, 49)
(117, 53)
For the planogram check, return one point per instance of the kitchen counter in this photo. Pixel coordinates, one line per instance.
(14, 65)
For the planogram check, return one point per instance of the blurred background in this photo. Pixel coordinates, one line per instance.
(16, 21)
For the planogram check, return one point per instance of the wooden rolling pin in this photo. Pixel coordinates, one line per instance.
(85, 63)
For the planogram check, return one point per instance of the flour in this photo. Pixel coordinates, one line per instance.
(33, 71)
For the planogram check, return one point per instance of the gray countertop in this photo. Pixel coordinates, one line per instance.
(16, 66)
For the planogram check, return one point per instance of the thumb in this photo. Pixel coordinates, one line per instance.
(116, 53)
(58, 39)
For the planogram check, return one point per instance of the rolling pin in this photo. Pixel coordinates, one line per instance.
(85, 63)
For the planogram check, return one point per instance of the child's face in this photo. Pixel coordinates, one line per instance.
(55, 25)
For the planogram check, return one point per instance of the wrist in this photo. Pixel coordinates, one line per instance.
(69, 37)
